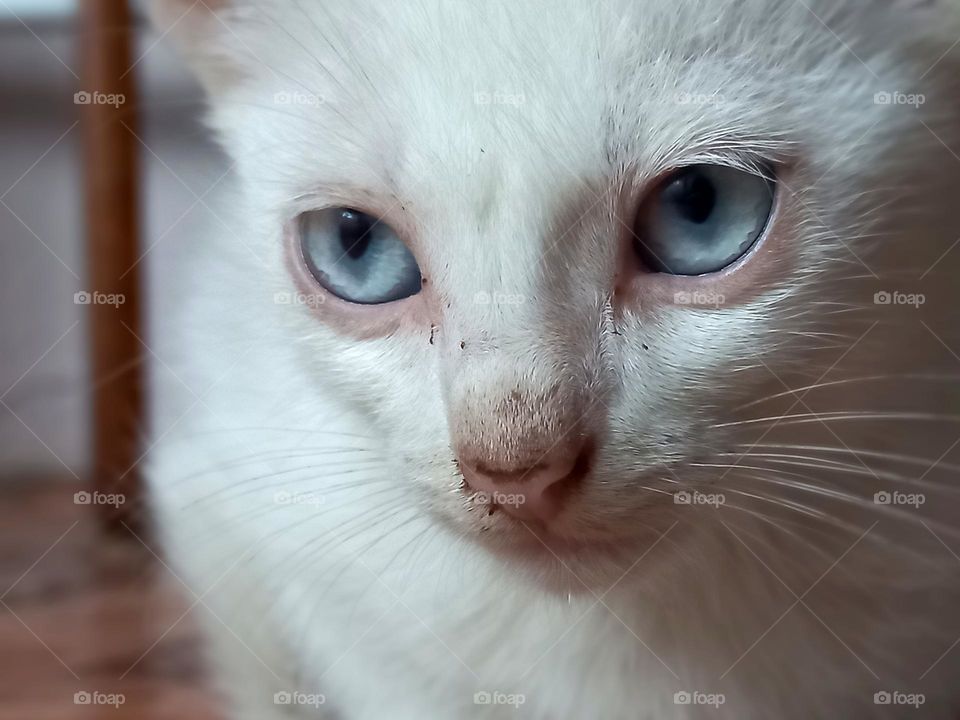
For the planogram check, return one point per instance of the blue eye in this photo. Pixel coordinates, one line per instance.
(702, 219)
(358, 257)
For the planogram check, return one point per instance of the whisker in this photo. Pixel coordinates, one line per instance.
(896, 457)
(841, 468)
(259, 512)
(892, 511)
(218, 494)
(319, 432)
(841, 415)
(849, 381)
(266, 456)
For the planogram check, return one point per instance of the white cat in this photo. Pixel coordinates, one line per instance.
(574, 359)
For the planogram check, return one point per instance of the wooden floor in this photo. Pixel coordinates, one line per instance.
(83, 613)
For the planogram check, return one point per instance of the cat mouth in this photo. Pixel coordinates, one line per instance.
(542, 540)
(574, 553)
(534, 540)
(567, 565)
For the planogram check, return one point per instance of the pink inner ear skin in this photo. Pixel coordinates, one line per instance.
(767, 263)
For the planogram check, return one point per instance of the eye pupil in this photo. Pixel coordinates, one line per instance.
(694, 196)
(355, 231)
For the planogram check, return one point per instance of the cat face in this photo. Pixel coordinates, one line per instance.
(552, 251)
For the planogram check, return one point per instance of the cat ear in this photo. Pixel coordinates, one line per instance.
(937, 19)
(173, 10)
(929, 9)
(202, 30)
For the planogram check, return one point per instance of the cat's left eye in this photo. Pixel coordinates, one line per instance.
(357, 257)
(702, 219)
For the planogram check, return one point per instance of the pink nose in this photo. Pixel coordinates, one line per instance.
(534, 492)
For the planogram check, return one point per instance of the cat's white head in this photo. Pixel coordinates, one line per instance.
(553, 249)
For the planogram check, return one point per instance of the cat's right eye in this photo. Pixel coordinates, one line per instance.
(702, 219)
(357, 257)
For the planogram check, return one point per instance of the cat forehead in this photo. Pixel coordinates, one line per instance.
(476, 92)
(403, 99)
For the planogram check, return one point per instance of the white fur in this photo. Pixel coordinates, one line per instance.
(390, 597)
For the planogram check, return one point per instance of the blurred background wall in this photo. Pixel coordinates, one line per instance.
(44, 380)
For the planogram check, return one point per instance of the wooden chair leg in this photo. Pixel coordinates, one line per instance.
(108, 99)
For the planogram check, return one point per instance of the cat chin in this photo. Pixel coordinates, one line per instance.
(575, 568)
(586, 564)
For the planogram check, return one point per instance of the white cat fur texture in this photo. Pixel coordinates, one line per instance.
(304, 473)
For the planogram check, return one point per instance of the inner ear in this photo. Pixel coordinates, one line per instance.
(947, 11)
(181, 15)
(202, 31)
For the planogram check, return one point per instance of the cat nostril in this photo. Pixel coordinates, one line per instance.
(531, 492)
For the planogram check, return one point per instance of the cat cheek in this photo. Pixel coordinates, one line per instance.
(360, 322)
